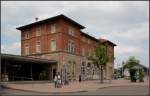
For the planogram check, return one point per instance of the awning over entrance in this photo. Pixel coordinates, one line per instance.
(16, 67)
(25, 59)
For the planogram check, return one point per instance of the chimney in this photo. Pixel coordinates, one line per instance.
(36, 19)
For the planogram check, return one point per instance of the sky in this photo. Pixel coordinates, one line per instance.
(126, 23)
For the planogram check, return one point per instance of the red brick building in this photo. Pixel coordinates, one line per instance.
(60, 38)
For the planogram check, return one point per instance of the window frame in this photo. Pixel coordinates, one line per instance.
(38, 31)
(27, 34)
(53, 48)
(83, 51)
(53, 28)
(71, 30)
(71, 46)
(27, 50)
(38, 45)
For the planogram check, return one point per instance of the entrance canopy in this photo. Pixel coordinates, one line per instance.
(24, 59)
(15, 67)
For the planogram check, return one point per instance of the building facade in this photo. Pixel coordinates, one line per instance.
(60, 38)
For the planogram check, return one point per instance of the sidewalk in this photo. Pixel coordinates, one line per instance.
(74, 86)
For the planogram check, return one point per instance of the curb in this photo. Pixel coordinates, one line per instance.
(3, 86)
(43, 92)
(120, 85)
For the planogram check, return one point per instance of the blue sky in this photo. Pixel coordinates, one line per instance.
(125, 23)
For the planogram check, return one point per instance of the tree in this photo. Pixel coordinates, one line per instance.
(100, 58)
(122, 74)
(131, 64)
(141, 75)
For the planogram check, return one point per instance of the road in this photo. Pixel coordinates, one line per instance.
(122, 90)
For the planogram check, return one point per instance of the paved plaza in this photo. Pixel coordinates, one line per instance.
(120, 90)
(84, 86)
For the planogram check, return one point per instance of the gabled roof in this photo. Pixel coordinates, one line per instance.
(89, 36)
(107, 41)
(52, 18)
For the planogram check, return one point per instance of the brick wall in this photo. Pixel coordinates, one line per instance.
(61, 36)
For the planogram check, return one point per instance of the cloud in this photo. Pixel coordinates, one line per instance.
(128, 50)
(122, 22)
(137, 34)
(14, 48)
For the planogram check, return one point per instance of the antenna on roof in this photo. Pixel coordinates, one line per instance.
(36, 19)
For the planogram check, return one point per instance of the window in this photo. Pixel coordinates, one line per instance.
(53, 28)
(83, 52)
(71, 46)
(27, 50)
(27, 43)
(71, 31)
(38, 45)
(89, 41)
(53, 45)
(27, 35)
(27, 47)
(38, 31)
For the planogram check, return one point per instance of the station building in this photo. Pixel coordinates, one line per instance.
(58, 44)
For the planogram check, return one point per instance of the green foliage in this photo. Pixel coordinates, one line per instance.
(100, 58)
(131, 64)
(141, 75)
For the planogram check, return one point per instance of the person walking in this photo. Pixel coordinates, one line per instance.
(59, 80)
(55, 81)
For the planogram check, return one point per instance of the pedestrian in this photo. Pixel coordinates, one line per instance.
(55, 81)
(79, 78)
(59, 80)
